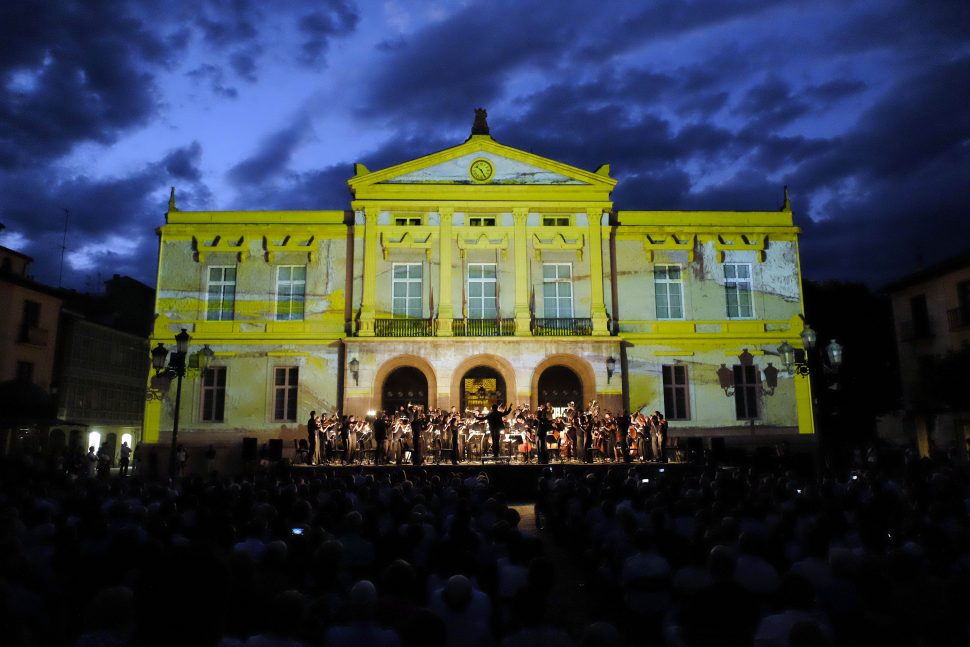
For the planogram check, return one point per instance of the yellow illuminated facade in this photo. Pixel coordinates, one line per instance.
(480, 273)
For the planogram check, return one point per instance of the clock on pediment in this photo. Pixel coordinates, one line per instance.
(481, 170)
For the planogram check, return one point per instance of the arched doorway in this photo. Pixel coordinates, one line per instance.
(482, 386)
(560, 385)
(404, 385)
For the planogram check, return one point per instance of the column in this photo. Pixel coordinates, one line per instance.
(597, 307)
(370, 273)
(445, 310)
(523, 318)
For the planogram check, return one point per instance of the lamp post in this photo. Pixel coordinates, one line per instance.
(807, 363)
(176, 368)
(610, 368)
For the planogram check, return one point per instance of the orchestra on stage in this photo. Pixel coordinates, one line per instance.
(413, 435)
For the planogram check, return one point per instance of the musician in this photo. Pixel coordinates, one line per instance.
(452, 427)
(543, 428)
(312, 432)
(495, 421)
(418, 425)
(660, 438)
(380, 436)
(586, 423)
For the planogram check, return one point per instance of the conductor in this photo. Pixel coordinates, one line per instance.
(495, 425)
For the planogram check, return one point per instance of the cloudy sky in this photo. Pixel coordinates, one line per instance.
(860, 107)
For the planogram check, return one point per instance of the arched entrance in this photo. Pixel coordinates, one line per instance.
(560, 385)
(481, 386)
(404, 385)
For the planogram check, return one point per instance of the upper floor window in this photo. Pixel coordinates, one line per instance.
(286, 385)
(557, 290)
(406, 290)
(290, 292)
(221, 293)
(921, 316)
(30, 321)
(556, 221)
(481, 221)
(675, 392)
(669, 290)
(407, 221)
(482, 291)
(963, 301)
(737, 288)
(746, 391)
(25, 372)
(214, 394)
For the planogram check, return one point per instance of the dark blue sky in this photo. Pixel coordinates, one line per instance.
(860, 107)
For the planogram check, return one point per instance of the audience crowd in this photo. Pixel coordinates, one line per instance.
(698, 556)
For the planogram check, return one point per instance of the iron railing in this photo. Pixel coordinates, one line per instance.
(403, 328)
(959, 318)
(483, 327)
(548, 327)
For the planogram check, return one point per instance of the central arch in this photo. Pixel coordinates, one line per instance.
(499, 364)
(404, 385)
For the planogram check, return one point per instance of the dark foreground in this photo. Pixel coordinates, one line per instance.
(680, 554)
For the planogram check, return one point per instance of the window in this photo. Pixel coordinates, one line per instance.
(481, 222)
(669, 289)
(285, 387)
(556, 221)
(30, 321)
(675, 392)
(290, 292)
(214, 394)
(481, 291)
(406, 290)
(221, 294)
(25, 372)
(557, 290)
(737, 286)
(746, 391)
(921, 316)
(963, 299)
(407, 221)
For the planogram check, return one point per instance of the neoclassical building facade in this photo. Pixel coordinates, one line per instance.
(477, 274)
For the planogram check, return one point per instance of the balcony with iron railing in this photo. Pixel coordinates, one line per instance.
(555, 327)
(404, 328)
(959, 318)
(483, 327)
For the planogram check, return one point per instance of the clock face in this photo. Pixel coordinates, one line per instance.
(481, 170)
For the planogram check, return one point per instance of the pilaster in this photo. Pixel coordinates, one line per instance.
(370, 273)
(597, 306)
(523, 318)
(445, 241)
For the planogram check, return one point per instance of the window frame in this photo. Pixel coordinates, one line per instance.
(286, 396)
(288, 302)
(746, 392)
(407, 221)
(674, 385)
(223, 284)
(555, 220)
(558, 281)
(667, 283)
(483, 281)
(481, 221)
(216, 391)
(736, 284)
(407, 281)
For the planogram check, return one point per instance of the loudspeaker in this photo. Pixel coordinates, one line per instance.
(249, 450)
(718, 449)
(276, 449)
(695, 449)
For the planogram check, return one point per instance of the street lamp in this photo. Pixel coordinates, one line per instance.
(610, 368)
(176, 368)
(355, 371)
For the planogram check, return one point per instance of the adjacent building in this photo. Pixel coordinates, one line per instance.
(480, 274)
(931, 309)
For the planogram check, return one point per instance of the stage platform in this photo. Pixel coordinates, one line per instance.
(517, 480)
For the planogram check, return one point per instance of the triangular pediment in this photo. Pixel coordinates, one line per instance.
(505, 167)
